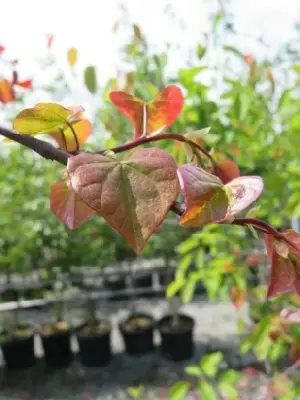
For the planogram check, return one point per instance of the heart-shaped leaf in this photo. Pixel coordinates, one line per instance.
(205, 198)
(133, 195)
(66, 125)
(154, 116)
(68, 206)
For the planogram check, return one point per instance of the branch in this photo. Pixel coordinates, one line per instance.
(44, 149)
(174, 136)
(266, 228)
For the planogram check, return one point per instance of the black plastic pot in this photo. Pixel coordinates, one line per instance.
(57, 349)
(18, 352)
(138, 341)
(177, 342)
(94, 350)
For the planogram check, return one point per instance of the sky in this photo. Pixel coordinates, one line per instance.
(88, 26)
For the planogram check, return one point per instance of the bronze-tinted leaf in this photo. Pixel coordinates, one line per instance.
(133, 195)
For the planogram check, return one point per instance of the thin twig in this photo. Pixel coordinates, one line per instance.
(165, 136)
(257, 223)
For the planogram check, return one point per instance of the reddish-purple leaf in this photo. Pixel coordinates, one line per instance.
(68, 207)
(284, 276)
(205, 198)
(133, 195)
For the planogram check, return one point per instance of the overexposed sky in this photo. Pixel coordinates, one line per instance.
(88, 26)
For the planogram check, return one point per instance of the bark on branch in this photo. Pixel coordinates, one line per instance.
(44, 149)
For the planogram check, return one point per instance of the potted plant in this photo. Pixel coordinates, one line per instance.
(94, 339)
(17, 343)
(56, 336)
(176, 331)
(137, 331)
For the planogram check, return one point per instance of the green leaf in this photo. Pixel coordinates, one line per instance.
(253, 212)
(174, 287)
(277, 351)
(234, 51)
(253, 232)
(201, 50)
(217, 19)
(136, 392)
(67, 126)
(229, 390)
(185, 262)
(210, 362)
(43, 118)
(178, 391)
(187, 292)
(207, 391)
(90, 79)
(230, 376)
(133, 195)
(193, 370)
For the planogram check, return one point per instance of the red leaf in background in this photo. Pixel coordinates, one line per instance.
(49, 39)
(25, 84)
(2, 48)
(7, 94)
(285, 264)
(274, 335)
(68, 207)
(152, 117)
(238, 297)
(226, 170)
(244, 191)
(248, 58)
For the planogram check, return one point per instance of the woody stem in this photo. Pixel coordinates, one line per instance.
(165, 136)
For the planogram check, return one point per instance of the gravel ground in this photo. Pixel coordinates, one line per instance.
(215, 330)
